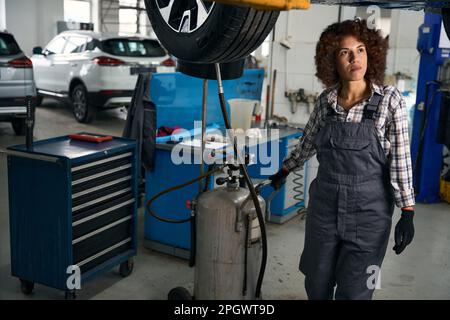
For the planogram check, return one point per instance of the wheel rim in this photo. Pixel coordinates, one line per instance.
(185, 16)
(79, 103)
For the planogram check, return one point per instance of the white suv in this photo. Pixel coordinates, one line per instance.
(16, 82)
(93, 70)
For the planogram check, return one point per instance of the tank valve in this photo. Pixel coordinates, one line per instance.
(221, 181)
(191, 205)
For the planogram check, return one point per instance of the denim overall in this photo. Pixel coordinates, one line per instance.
(350, 210)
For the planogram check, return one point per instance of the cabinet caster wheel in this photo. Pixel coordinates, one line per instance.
(126, 268)
(26, 286)
(70, 295)
(179, 293)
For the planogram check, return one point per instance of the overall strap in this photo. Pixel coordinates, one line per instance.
(331, 114)
(372, 106)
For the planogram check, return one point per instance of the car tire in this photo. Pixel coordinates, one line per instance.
(82, 110)
(179, 293)
(39, 99)
(26, 287)
(126, 268)
(70, 295)
(19, 126)
(228, 33)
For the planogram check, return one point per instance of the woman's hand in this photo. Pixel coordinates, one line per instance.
(279, 178)
(404, 230)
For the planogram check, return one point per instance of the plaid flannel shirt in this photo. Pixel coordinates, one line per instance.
(391, 123)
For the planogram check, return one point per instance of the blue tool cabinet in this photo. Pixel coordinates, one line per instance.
(71, 203)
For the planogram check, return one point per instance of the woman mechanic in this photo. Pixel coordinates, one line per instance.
(359, 131)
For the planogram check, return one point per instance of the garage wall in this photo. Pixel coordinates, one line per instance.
(2, 15)
(403, 56)
(33, 22)
(295, 66)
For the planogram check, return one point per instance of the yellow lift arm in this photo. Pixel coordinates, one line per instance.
(270, 4)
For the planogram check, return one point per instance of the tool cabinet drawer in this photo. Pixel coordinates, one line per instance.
(101, 182)
(97, 202)
(94, 179)
(106, 163)
(98, 193)
(111, 252)
(102, 215)
(103, 238)
(96, 173)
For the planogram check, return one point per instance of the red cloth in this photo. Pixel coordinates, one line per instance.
(166, 131)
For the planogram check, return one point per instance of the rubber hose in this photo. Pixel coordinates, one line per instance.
(150, 201)
(247, 231)
(193, 241)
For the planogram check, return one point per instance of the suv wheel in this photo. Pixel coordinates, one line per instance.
(82, 110)
(208, 32)
(39, 99)
(19, 126)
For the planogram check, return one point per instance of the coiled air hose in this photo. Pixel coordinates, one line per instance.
(299, 194)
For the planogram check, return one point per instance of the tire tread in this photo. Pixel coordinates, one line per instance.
(234, 33)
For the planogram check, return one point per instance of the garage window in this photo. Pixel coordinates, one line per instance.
(75, 44)
(56, 46)
(133, 48)
(133, 17)
(77, 10)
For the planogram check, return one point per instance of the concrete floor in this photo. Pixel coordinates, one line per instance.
(421, 272)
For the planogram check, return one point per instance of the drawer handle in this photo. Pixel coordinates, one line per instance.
(92, 164)
(101, 174)
(108, 184)
(87, 260)
(109, 226)
(101, 213)
(112, 195)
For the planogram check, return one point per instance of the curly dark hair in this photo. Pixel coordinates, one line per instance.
(328, 46)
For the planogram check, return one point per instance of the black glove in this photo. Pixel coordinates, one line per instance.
(404, 231)
(279, 178)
